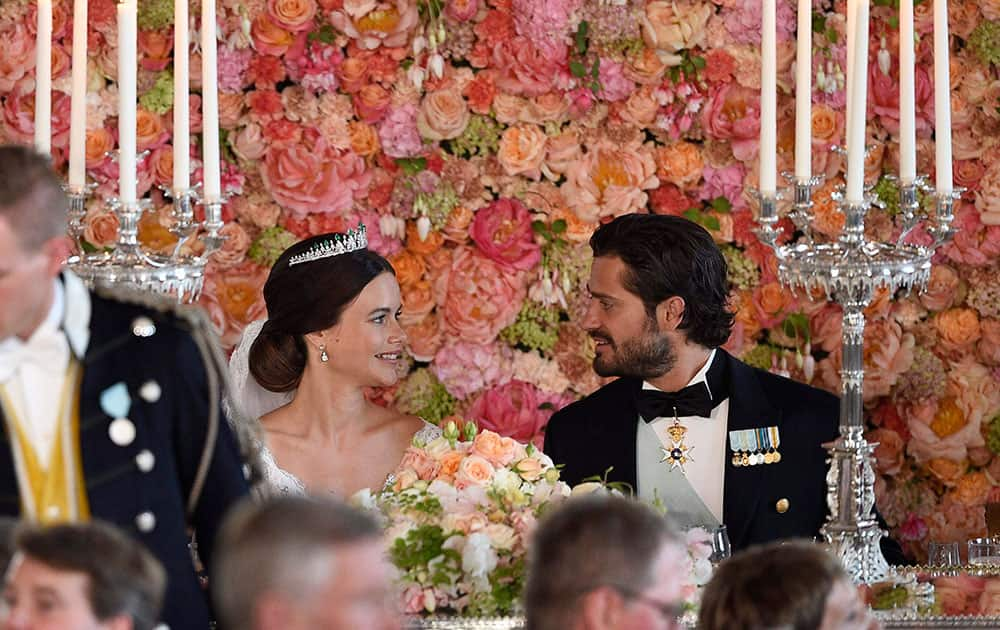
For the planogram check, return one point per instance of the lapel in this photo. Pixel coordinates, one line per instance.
(748, 408)
(609, 440)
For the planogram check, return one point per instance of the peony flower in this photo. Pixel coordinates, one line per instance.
(234, 299)
(733, 113)
(609, 180)
(514, 409)
(503, 232)
(680, 164)
(526, 69)
(373, 24)
(670, 27)
(478, 297)
(311, 177)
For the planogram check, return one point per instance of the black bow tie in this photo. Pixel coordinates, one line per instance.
(693, 400)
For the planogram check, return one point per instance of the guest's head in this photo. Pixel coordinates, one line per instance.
(296, 563)
(33, 243)
(793, 585)
(605, 563)
(658, 284)
(85, 576)
(342, 307)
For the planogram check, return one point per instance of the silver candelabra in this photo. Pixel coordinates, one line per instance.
(179, 273)
(849, 271)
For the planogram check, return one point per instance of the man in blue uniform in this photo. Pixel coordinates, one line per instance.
(109, 408)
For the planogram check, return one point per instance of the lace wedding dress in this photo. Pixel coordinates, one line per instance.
(248, 401)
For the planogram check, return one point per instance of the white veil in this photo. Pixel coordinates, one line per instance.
(247, 399)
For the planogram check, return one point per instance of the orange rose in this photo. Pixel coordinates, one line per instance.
(675, 26)
(295, 15)
(405, 479)
(947, 470)
(449, 464)
(562, 151)
(162, 164)
(364, 139)
(425, 247)
(456, 229)
(547, 107)
(353, 74)
(827, 217)
(443, 115)
(371, 102)
(424, 338)
(958, 327)
(577, 230)
(680, 164)
(941, 288)
(269, 38)
(99, 142)
(465, 523)
(474, 470)
(771, 301)
(508, 108)
(100, 228)
(148, 129)
(645, 68)
(155, 48)
(530, 468)
(641, 107)
(495, 448)
(522, 149)
(418, 301)
(230, 110)
(153, 234)
(409, 267)
(972, 489)
(827, 125)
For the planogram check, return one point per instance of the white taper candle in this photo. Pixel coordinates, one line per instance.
(942, 99)
(43, 78)
(127, 63)
(803, 92)
(768, 99)
(857, 95)
(907, 96)
(182, 128)
(210, 103)
(78, 99)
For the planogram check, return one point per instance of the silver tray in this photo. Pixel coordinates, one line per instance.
(464, 623)
(903, 619)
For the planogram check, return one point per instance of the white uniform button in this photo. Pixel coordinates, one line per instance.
(121, 431)
(150, 391)
(246, 471)
(52, 512)
(145, 521)
(142, 326)
(145, 460)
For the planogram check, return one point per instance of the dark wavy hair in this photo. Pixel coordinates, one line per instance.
(305, 298)
(667, 256)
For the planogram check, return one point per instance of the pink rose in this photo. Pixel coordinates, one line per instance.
(417, 460)
(610, 180)
(443, 114)
(270, 38)
(941, 289)
(372, 102)
(249, 142)
(312, 177)
(18, 58)
(465, 368)
(733, 113)
(234, 248)
(372, 24)
(294, 15)
(473, 471)
(478, 297)
(978, 394)
(526, 69)
(512, 410)
(503, 232)
(101, 228)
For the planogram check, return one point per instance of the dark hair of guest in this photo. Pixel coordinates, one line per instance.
(668, 256)
(304, 298)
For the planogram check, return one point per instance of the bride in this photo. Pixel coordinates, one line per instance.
(332, 331)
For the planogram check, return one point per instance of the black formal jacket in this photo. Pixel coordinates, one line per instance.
(173, 428)
(599, 432)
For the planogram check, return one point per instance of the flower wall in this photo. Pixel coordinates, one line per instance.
(481, 142)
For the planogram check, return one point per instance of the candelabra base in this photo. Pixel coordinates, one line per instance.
(852, 531)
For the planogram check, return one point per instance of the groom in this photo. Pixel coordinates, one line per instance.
(719, 442)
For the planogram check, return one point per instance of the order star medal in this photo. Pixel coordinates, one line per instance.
(679, 453)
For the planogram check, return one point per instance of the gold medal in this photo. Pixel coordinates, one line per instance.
(777, 456)
(679, 453)
(745, 459)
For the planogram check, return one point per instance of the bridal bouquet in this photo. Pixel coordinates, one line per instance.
(458, 513)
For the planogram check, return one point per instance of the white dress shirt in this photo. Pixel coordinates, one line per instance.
(35, 387)
(706, 437)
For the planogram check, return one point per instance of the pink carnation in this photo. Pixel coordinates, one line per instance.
(503, 232)
(465, 368)
(233, 65)
(398, 132)
(477, 297)
(515, 409)
(313, 177)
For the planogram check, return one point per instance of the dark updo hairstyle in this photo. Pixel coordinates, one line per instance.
(304, 298)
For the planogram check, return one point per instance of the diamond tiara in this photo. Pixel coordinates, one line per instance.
(351, 241)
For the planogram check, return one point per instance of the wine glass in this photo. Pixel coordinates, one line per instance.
(943, 554)
(721, 548)
(984, 551)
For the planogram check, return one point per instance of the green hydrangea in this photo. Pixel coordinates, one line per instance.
(155, 14)
(993, 435)
(437, 205)
(926, 378)
(985, 42)
(625, 46)
(481, 137)
(423, 395)
(536, 328)
(743, 272)
(759, 356)
(887, 192)
(266, 248)
(159, 99)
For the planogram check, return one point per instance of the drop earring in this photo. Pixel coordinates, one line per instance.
(323, 356)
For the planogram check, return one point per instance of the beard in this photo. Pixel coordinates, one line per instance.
(647, 355)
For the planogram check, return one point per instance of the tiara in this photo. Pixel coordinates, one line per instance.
(350, 241)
